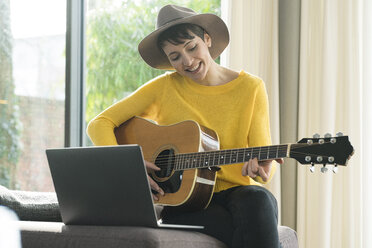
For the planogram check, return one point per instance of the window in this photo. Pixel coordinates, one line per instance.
(33, 55)
(32, 90)
(114, 29)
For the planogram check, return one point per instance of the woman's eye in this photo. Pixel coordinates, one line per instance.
(193, 48)
(174, 58)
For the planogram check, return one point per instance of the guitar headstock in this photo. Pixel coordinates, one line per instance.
(328, 150)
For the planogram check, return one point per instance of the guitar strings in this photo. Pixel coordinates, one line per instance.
(207, 155)
(163, 163)
(202, 156)
(238, 150)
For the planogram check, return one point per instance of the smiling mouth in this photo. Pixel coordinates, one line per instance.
(195, 68)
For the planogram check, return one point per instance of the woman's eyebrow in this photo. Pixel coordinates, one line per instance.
(186, 43)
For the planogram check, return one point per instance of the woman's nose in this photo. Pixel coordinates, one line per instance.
(187, 60)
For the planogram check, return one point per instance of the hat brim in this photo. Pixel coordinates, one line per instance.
(214, 25)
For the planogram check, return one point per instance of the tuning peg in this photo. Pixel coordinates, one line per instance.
(324, 169)
(335, 169)
(333, 140)
(327, 135)
(319, 159)
(312, 168)
(331, 159)
(316, 136)
(339, 134)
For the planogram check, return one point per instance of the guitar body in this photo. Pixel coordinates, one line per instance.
(189, 189)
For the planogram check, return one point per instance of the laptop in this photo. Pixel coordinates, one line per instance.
(104, 185)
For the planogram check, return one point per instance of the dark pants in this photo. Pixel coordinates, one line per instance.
(245, 216)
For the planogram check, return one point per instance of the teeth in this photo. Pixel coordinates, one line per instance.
(194, 68)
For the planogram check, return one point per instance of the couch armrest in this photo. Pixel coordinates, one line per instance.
(40, 206)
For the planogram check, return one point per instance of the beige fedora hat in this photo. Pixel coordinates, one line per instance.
(171, 15)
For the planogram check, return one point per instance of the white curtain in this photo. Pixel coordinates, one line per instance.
(254, 48)
(335, 82)
(335, 87)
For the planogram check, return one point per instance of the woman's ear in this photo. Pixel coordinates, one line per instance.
(207, 39)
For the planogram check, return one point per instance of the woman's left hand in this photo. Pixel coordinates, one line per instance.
(253, 168)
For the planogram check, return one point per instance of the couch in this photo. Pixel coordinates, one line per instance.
(40, 226)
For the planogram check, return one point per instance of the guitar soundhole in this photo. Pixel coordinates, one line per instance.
(165, 161)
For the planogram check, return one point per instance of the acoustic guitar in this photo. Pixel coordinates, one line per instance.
(188, 155)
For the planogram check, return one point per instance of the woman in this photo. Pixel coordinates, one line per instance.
(233, 104)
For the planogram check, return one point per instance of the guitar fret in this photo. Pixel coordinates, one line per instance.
(247, 154)
(214, 158)
(217, 157)
(283, 151)
(265, 155)
(177, 163)
(209, 162)
(180, 162)
(186, 161)
(198, 160)
(272, 152)
(231, 156)
(259, 153)
(240, 157)
(254, 153)
(202, 160)
(277, 151)
(227, 157)
(179, 157)
(221, 158)
(177, 160)
(194, 161)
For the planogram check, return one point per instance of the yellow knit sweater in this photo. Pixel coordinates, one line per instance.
(237, 111)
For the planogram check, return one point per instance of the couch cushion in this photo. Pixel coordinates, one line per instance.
(54, 234)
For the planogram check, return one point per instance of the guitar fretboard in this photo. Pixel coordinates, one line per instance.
(233, 156)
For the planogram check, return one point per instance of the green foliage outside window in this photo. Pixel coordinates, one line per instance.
(114, 66)
(9, 119)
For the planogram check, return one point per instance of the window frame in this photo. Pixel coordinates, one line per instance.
(75, 74)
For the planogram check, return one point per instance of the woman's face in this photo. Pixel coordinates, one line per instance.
(191, 58)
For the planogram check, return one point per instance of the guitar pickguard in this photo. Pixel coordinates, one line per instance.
(171, 185)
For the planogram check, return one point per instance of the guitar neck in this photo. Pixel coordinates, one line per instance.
(200, 160)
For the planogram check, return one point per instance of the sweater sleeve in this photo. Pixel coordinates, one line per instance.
(259, 133)
(144, 100)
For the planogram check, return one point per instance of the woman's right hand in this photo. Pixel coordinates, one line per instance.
(154, 186)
